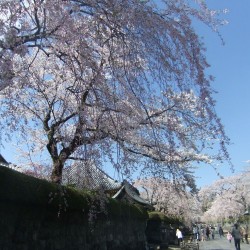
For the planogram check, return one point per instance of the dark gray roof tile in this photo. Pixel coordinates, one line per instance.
(89, 177)
(3, 162)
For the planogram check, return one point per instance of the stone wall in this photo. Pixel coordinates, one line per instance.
(31, 220)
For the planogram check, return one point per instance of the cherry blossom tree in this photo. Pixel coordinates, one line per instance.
(117, 81)
(225, 198)
(173, 199)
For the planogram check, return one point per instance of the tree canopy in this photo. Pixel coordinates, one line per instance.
(119, 81)
(225, 198)
(173, 200)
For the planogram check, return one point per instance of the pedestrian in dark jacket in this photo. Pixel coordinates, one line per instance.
(237, 234)
(221, 233)
(207, 233)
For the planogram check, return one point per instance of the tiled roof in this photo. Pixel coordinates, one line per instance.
(89, 177)
(132, 193)
(3, 162)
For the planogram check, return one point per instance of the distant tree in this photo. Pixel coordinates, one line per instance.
(174, 199)
(122, 81)
(229, 197)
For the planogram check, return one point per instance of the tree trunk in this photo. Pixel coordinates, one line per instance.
(56, 176)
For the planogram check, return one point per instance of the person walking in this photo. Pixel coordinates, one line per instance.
(221, 233)
(242, 234)
(202, 234)
(196, 233)
(179, 235)
(207, 233)
(236, 233)
(229, 237)
(245, 234)
(212, 232)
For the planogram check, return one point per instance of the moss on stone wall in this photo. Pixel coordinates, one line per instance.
(29, 218)
(162, 217)
(123, 209)
(20, 188)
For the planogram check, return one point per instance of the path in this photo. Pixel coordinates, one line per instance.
(217, 244)
(221, 244)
